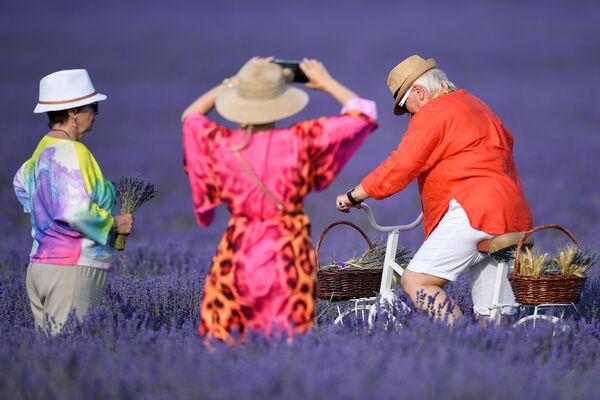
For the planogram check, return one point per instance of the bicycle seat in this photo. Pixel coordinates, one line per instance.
(502, 242)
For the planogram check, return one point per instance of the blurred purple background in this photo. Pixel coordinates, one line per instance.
(535, 63)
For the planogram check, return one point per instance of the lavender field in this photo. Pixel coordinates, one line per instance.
(535, 63)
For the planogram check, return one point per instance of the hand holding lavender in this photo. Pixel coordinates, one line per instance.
(132, 193)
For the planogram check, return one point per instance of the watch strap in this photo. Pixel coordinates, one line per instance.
(351, 198)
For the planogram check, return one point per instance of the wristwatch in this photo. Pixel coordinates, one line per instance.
(351, 198)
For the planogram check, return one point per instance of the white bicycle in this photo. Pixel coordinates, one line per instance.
(387, 302)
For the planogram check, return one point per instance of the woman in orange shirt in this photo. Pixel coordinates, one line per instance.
(461, 154)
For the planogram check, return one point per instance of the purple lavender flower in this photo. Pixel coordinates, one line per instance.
(538, 76)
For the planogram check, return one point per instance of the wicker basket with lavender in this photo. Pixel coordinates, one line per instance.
(132, 193)
(358, 277)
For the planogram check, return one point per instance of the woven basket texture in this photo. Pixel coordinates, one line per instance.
(348, 283)
(534, 290)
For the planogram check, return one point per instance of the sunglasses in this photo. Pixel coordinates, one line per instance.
(402, 103)
(94, 107)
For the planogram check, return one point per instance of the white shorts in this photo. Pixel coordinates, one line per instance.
(451, 249)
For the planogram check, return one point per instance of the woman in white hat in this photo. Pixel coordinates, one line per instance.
(71, 205)
(262, 277)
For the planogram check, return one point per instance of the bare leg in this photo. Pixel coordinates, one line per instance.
(427, 293)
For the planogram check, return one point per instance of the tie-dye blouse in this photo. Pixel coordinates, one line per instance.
(70, 203)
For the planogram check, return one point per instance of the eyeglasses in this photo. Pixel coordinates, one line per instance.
(94, 107)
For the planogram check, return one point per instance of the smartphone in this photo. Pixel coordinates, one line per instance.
(294, 66)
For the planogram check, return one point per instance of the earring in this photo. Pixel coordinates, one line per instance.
(75, 122)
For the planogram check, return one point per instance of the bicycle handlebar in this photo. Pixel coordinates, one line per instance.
(376, 226)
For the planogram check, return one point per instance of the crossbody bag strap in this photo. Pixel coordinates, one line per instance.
(261, 185)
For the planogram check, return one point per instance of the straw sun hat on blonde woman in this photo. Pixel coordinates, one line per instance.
(261, 96)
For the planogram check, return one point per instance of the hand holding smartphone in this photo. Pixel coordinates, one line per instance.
(294, 66)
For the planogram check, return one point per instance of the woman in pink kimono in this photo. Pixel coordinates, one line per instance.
(262, 277)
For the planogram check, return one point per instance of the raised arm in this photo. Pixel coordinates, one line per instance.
(206, 101)
(320, 79)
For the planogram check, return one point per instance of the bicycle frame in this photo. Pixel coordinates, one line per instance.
(389, 265)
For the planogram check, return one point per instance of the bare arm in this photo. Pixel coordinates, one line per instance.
(320, 79)
(343, 203)
(206, 102)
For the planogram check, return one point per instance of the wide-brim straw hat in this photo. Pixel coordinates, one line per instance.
(403, 75)
(66, 89)
(261, 96)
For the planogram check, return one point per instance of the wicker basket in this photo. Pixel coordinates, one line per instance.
(533, 290)
(348, 283)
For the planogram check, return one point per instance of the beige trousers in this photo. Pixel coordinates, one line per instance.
(56, 290)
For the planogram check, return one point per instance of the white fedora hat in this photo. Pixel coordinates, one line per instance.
(66, 89)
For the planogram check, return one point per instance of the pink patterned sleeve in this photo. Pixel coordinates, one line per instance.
(198, 164)
(333, 140)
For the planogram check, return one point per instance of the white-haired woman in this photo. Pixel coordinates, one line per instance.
(71, 205)
(461, 154)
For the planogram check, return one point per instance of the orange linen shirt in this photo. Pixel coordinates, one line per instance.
(459, 149)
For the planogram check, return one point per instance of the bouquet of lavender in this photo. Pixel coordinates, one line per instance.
(132, 193)
(374, 258)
